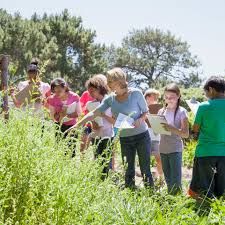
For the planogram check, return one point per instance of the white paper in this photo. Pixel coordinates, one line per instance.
(193, 105)
(90, 106)
(124, 122)
(71, 108)
(156, 124)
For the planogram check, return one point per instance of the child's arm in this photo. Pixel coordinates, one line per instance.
(182, 132)
(89, 117)
(110, 119)
(15, 101)
(196, 130)
(52, 112)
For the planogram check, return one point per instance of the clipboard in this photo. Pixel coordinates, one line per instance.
(193, 105)
(156, 124)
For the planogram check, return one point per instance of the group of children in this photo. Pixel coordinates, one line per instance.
(109, 96)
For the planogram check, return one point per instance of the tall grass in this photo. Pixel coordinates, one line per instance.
(39, 184)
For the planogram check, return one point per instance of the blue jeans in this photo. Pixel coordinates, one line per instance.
(141, 144)
(172, 169)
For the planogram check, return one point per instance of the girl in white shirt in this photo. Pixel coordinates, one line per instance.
(102, 127)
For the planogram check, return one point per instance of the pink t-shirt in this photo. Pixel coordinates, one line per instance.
(57, 104)
(85, 97)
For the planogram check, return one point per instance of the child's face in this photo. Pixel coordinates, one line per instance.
(94, 92)
(210, 93)
(59, 91)
(32, 75)
(115, 86)
(171, 99)
(151, 99)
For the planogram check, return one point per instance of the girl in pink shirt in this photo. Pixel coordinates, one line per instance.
(64, 105)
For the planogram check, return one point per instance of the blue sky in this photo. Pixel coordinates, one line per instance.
(200, 23)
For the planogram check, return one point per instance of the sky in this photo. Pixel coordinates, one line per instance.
(199, 22)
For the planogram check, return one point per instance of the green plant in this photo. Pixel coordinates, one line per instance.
(189, 152)
(39, 184)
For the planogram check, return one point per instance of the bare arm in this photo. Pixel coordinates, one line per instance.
(196, 130)
(15, 101)
(89, 117)
(73, 115)
(52, 112)
(182, 132)
(140, 120)
(12, 94)
(110, 119)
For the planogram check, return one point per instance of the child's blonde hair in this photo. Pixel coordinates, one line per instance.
(116, 75)
(152, 92)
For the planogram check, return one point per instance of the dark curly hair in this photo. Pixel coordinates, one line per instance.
(215, 82)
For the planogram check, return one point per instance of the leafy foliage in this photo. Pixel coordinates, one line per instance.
(59, 39)
(40, 185)
(150, 55)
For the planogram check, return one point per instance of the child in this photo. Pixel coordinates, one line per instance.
(84, 99)
(171, 146)
(32, 91)
(58, 104)
(209, 125)
(129, 102)
(151, 97)
(102, 134)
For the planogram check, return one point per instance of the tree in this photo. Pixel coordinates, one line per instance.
(149, 55)
(59, 41)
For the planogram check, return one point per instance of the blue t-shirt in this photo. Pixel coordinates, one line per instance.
(134, 106)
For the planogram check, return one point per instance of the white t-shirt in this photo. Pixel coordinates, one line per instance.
(43, 88)
(105, 131)
(37, 107)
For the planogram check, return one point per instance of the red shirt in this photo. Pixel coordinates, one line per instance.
(85, 97)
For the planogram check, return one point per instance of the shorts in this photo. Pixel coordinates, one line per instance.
(154, 147)
(87, 130)
(208, 176)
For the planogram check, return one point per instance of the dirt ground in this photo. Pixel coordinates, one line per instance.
(186, 173)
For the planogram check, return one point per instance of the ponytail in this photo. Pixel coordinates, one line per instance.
(178, 105)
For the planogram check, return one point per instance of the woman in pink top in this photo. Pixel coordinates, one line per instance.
(64, 105)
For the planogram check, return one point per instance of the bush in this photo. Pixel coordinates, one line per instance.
(40, 185)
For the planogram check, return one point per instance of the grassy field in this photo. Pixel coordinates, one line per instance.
(40, 185)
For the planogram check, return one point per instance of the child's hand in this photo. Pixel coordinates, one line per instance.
(137, 123)
(12, 90)
(168, 127)
(62, 114)
(95, 126)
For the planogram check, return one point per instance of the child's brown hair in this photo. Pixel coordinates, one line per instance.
(152, 92)
(98, 82)
(175, 89)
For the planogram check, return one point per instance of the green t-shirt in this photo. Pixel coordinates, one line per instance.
(211, 119)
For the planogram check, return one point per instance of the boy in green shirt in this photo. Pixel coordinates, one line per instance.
(209, 163)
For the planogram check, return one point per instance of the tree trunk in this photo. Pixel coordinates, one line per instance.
(4, 62)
